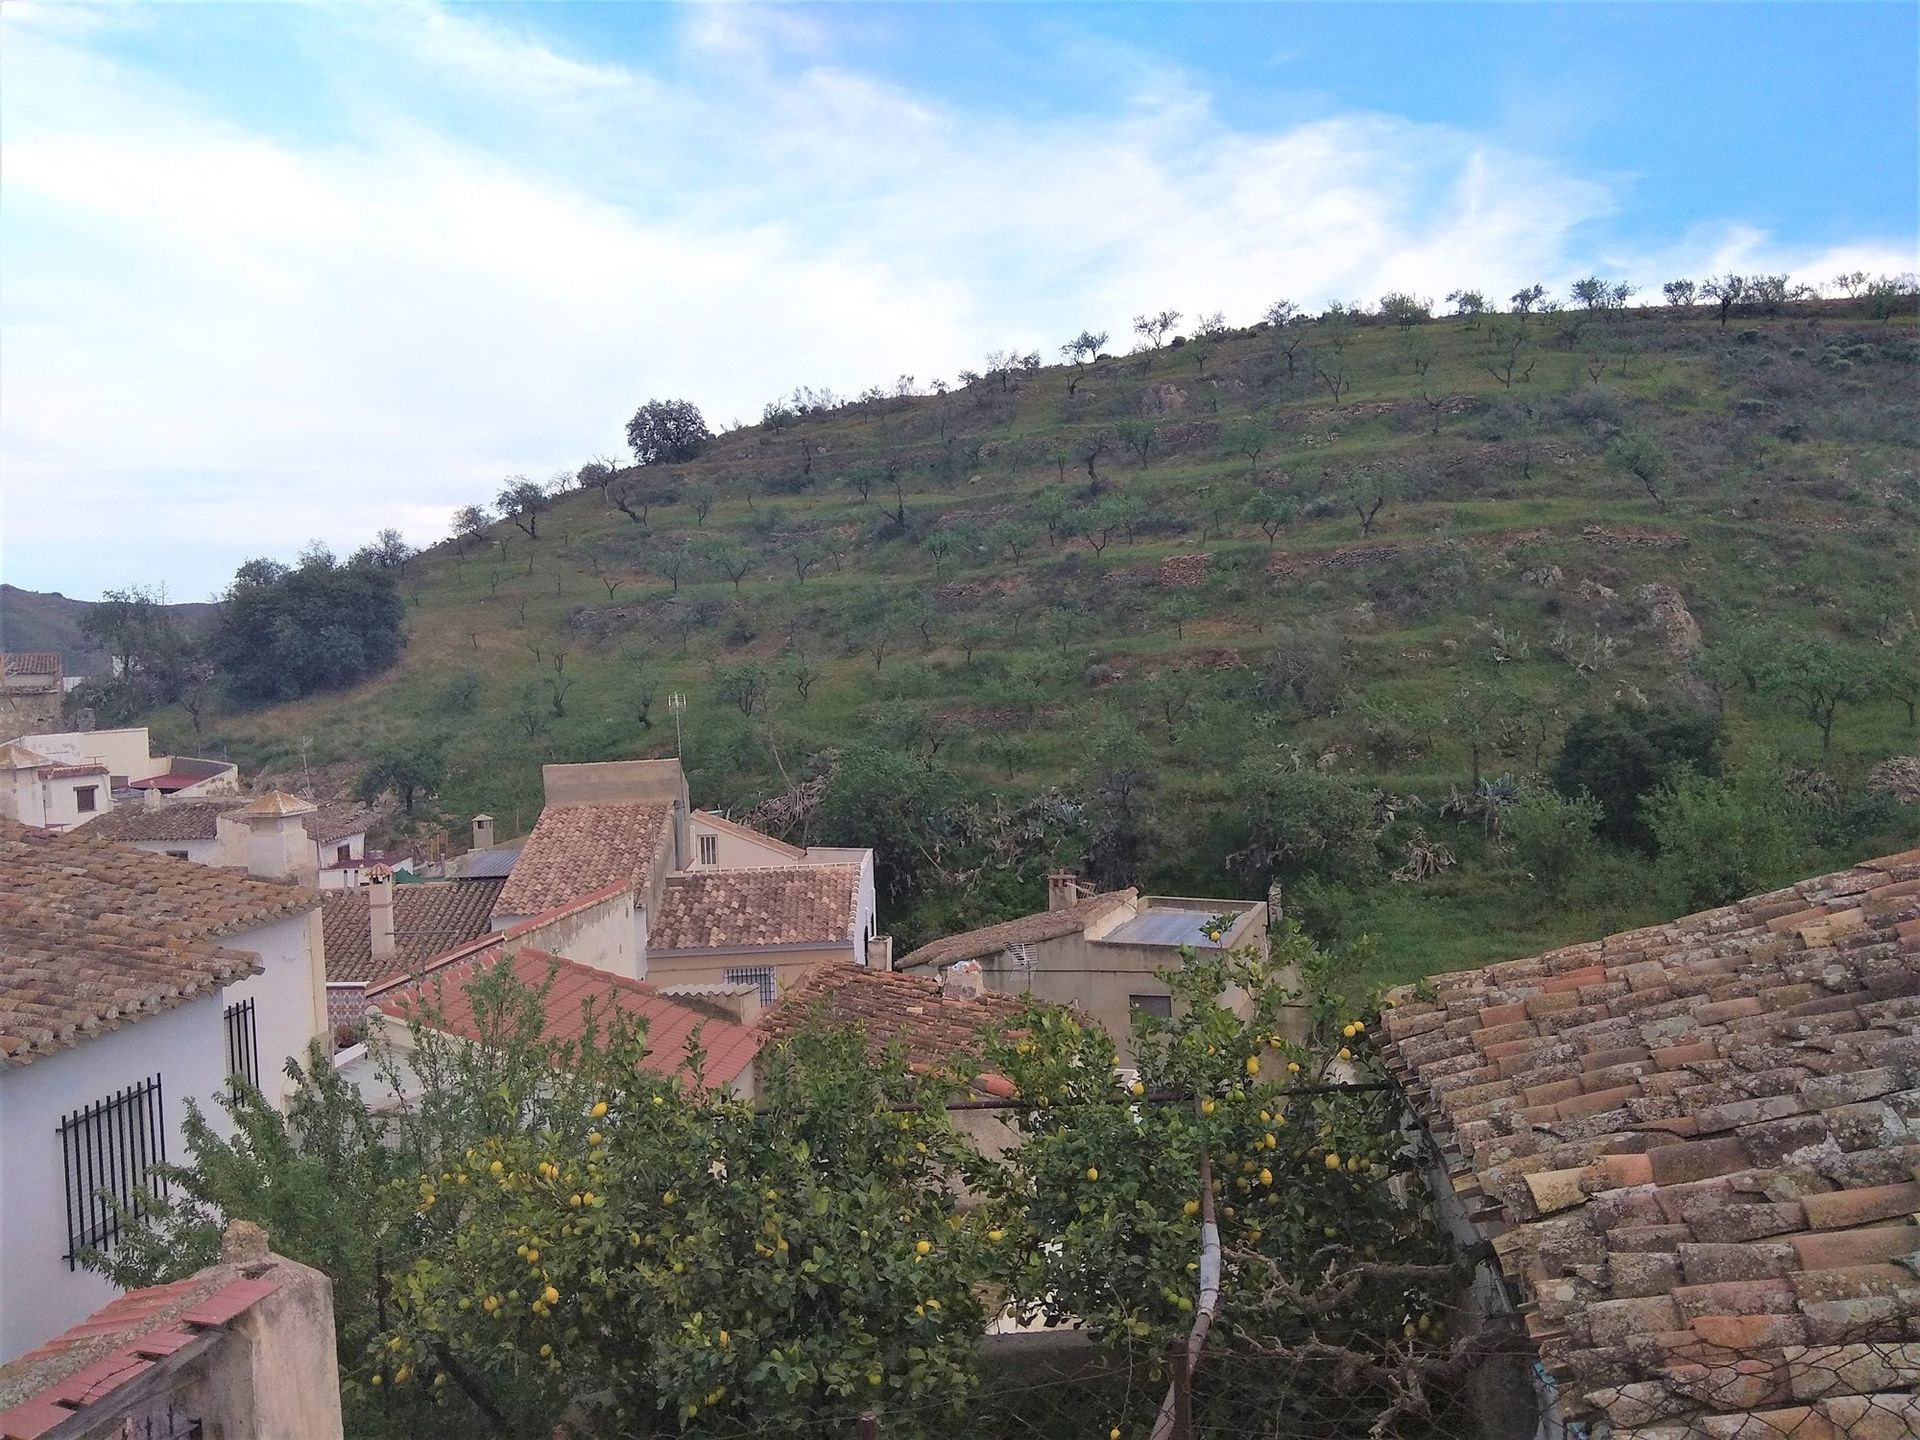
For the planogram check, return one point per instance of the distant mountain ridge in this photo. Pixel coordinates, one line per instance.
(48, 620)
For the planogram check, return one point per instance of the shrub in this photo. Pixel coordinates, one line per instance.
(1720, 840)
(1621, 755)
(1551, 836)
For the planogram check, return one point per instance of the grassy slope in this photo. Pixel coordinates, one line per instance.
(1786, 436)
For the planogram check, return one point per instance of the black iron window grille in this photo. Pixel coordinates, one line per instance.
(109, 1149)
(243, 1043)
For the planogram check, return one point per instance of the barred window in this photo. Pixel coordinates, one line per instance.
(109, 1149)
(709, 849)
(1160, 1005)
(243, 1043)
(761, 975)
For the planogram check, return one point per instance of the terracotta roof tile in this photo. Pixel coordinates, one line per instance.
(1698, 1145)
(576, 992)
(71, 772)
(94, 935)
(1027, 930)
(31, 662)
(772, 905)
(429, 918)
(937, 1029)
(48, 1385)
(187, 820)
(575, 849)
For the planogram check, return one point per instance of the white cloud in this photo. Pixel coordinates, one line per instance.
(221, 341)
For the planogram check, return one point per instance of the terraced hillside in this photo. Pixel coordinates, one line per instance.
(1399, 556)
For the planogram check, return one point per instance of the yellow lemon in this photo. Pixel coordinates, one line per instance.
(495, 1168)
(1345, 1053)
(1293, 1067)
(1092, 1173)
(1137, 1088)
(668, 1198)
(996, 1236)
(923, 1247)
(1207, 1107)
(725, 1338)
(533, 1257)
(599, 1109)
(1191, 1208)
(550, 1295)
(1266, 1177)
(1333, 1162)
(546, 1352)
(1253, 1064)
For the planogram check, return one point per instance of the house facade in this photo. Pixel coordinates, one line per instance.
(130, 984)
(32, 689)
(1101, 954)
(38, 790)
(712, 902)
(127, 756)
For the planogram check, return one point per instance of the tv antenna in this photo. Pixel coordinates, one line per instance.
(676, 705)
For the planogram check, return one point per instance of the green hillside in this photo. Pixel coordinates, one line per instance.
(1061, 580)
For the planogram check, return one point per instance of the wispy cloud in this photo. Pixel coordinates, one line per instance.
(220, 340)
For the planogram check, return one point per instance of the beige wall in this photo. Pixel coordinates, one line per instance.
(614, 782)
(125, 751)
(709, 967)
(737, 851)
(610, 935)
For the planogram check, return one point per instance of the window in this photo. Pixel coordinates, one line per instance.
(761, 975)
(709, 849)
(344, 855)
(111, 1145)
(1161, 1005)
(86, 798)
(243, 1043)
(179, 854)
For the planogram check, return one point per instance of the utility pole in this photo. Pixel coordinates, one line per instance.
(1175, 1420)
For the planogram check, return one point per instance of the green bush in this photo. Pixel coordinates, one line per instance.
(1552, 836)
(1621, 755)
(1720, 840)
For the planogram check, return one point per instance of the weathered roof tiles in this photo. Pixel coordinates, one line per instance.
(1697, 1149)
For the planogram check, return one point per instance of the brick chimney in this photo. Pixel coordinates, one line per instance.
(962, 980)
(1063, 890)
(377, 881)
(483, 832)
(278, 847)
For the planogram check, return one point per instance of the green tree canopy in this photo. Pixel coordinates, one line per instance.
(285, 632)
(1621, 755)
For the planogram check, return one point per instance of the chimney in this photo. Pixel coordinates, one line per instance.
(880, 952)
(377, 881)
(278, 847)
(1063, 889)
(680, 846)
(483, 832)
(150, 797)
(962, 980)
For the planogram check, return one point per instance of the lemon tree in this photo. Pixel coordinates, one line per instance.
(697, 1263)
(1105, 1185)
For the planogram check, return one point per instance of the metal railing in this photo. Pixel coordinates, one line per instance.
(109, 1148)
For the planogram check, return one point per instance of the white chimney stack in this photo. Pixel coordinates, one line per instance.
(483, 832)
(278, 846)
(377, 880)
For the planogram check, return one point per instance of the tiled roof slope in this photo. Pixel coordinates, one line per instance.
(94, 935)
(47, 1387)
(31, 662)
(912, 1010)
(578, 991)
(1027, 930)
(771, 905)
(575, 849)
(428, 918)
(1695, 1147)
(184, 820)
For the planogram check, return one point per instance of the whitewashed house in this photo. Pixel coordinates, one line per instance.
(38, 790)
(130, 985)
(126, 757)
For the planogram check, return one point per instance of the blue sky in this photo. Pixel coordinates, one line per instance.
(273, 273)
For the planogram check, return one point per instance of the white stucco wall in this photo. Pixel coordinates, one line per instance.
(201, 852)
(289, 995)
(608, 935)
(124, 752)
(61, 800)
(22, 797)
(734, 850)
(39, 1295)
